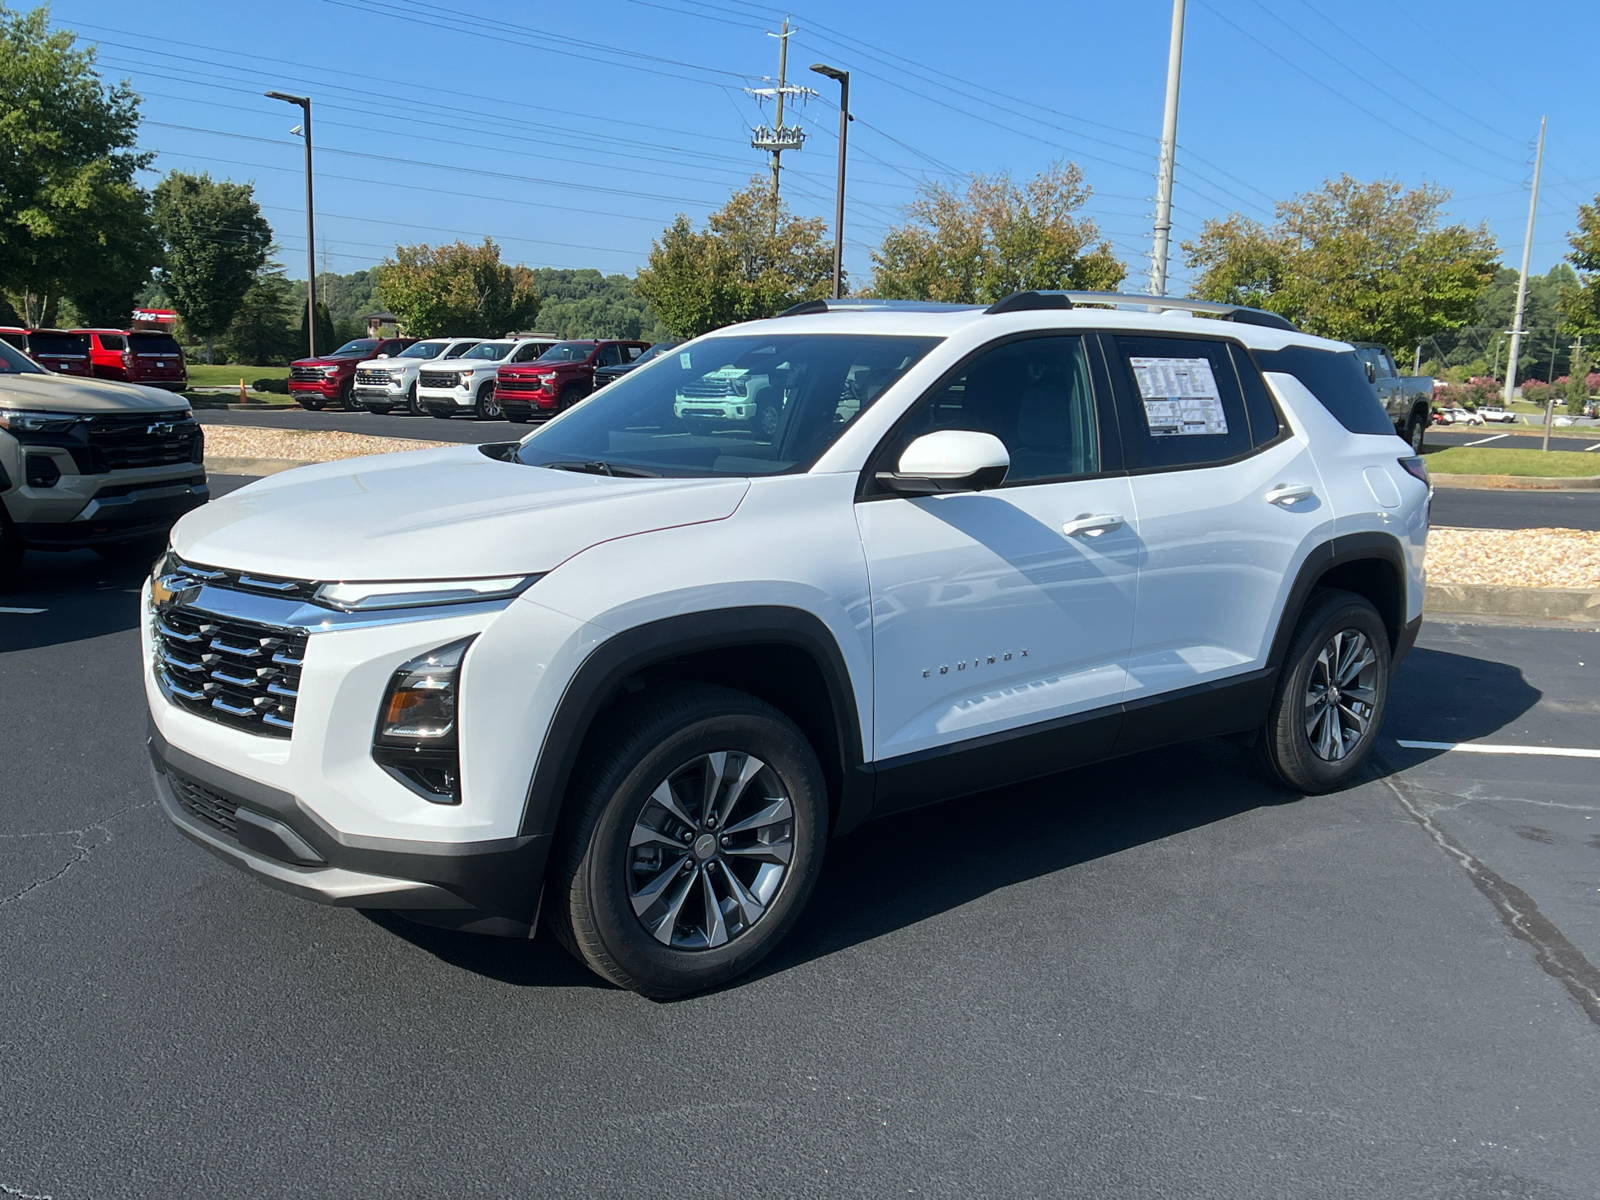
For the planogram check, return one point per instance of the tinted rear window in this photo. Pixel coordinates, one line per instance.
(155, 343)
(14, 362)
(1337, 379)
(58, 343)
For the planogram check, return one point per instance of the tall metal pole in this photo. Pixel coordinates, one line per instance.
(1169, 154)
(838, 212)
(1522, 280)
(783, 69)
(311, 225)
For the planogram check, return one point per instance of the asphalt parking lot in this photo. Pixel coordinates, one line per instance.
(1154, 977)
(1496, 436)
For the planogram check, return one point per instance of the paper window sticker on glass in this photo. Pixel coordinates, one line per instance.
(1180, 396)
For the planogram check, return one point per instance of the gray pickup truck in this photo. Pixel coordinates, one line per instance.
(1408, 399)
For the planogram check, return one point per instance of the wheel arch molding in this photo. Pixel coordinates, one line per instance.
(785, 656)
(1370, 564)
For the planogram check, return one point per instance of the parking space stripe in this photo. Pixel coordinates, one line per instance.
(1487, 748)
(1487, 440)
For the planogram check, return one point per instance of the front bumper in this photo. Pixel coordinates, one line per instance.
(481, 887)
(119, 513)
(326, 389)
(440, 400)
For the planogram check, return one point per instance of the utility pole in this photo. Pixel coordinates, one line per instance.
(1550, 400)
(838, 212)
(780, 137)
(1522, 280)
(1169, 155)
(311, 226)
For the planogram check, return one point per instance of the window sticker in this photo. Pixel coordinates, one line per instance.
(683, 360)
(1180, 396)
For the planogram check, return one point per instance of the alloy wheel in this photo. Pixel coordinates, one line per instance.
(710, 851)
(1341, 692)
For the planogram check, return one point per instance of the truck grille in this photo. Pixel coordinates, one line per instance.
(373, 378)
(517, 385)
(306, 374)
(118, 443)
(216, 810)
(437, 379)
(236, 672)
(709, 389)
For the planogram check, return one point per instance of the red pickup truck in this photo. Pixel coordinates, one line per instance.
(559, 378)
(330, 378)
(137, 356)
(57, 350)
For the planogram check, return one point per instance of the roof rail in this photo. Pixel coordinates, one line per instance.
(807, 308)
(1031, 301)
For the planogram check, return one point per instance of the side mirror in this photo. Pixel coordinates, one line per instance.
(952, 460)
(1372, 371)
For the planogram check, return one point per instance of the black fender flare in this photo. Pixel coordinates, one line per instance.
(614, 660)
(1349, 548)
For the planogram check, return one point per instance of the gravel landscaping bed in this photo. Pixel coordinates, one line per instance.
(302, 445)
(1539, 558)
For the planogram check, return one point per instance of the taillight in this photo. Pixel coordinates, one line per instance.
(1416, 468)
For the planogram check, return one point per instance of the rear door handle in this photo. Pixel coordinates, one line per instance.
(1289, 493)
(1085, 525)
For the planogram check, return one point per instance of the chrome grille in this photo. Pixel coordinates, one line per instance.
(711, 389)
(517, 385)
(237, 672)
(306, 374)
(373, 378)
(437, 379)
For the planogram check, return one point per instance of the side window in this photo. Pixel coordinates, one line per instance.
(1034, 395)
(631, 353)
(528, 353)
(609, 356)
(113, 341)
(1265, 424)
(1187, 408)
(1337, 380)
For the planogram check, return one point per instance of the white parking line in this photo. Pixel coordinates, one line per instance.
(1487, 440)
(1596, 446)
(27, 612)
(1486, 748)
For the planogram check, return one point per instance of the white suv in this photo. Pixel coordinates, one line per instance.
(635, 675)
(383, 385)
(446, 387)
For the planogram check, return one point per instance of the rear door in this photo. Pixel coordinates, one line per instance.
(1228, 499)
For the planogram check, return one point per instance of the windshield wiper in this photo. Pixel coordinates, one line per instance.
(597, 467)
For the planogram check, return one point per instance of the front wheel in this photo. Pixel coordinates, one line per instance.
(693, 841)
(413, 405)
(1416, 432)
(487, 407)
(347, 398)
(1331, 695)
(312, 405)
(570, 395)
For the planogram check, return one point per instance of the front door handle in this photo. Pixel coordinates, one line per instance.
(1085, 525)
(1286, 494)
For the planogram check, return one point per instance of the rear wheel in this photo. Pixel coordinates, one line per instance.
(487, 407)
(1331, 695)
(692, 842)
(1416, 432)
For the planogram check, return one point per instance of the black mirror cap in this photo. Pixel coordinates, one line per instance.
(980, 480)
(1029, 302)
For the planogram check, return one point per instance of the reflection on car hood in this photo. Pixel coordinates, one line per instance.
(74, 393)
(435, 514)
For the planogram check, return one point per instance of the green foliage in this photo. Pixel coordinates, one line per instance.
(1580, 300)
(1577, 389)
(327, 336)
(72, 219)
(263, 331)
(1354, 261)
(457, 289)
(996, 238)
(217, 240)
(585, 303)
(754, 259)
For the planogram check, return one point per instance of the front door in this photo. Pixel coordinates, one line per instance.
(996, 610)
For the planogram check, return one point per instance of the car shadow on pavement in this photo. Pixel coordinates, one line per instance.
(83, 596)
(1439, 696)
(522, 962)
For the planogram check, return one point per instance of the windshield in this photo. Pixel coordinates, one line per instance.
(359, 346)
(57, 343)
(154, 343)
(728, 406)
(423, 350)
(489, 350)
(568, 352)
(655, 352)
(14, 362)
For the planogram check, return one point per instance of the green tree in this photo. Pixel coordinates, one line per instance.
(754, 259)
(72, 220)
(457, 290)
(585, 303)
(327, 337)
(1580, 299)
(980, 244)
(262, 333)
(1359, 262)
(216, 241)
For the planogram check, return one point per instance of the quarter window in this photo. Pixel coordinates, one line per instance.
(1186, 406)
(1033, 395)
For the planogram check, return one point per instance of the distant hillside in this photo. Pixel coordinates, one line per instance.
(585, 303)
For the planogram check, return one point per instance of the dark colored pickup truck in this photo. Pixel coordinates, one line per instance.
(559, 378)
(331, 378)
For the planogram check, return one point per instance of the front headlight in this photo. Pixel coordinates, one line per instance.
(408, 593)
(31, 421)
(464, 379)
(330, 372)
(416, 736)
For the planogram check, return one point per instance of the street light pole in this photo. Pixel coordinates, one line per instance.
(1169, 155)
(838, 212)
(311, 226)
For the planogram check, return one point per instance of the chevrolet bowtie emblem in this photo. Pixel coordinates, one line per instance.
(169, 591)
(159, 429)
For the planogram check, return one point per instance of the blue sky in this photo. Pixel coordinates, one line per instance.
(572, 133)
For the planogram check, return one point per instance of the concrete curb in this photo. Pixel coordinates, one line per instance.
(252, 466)
(1498, 600)
(1553, 483)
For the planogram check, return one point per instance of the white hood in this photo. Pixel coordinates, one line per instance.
(435, 514)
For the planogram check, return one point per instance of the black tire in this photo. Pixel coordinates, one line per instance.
(570, 395)
(378, 410)
(522, 420)
(147, 548)
(1288, 751)
(443, 414)
(1416, 432)
(487, 407)
(666, 732)
(312, 405)
(413, 405)
(347, 397)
